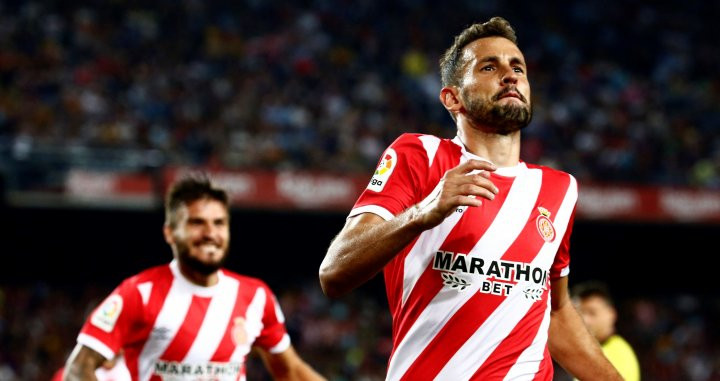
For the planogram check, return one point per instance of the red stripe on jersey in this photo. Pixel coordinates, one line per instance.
(186, 334)
(447, 156)
(452, 336)
(545, 372)
(473, 313)
(394, 274)
(161, 284)
(460, 240)
(505, 355)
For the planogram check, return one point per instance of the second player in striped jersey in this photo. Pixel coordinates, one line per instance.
(190, 319)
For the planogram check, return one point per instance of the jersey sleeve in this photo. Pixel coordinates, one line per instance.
(273, 336)
(107, 327)
(397, 181)
(561, 264)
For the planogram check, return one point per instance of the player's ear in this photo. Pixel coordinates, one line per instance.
(450, 98)
(167, 232)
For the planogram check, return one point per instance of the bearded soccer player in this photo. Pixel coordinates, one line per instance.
(189, 319)
(473, 241)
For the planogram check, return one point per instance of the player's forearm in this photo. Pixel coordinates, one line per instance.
(79, 372)
(81, 364)
(303, 372)
(359, 253)
(572, 346)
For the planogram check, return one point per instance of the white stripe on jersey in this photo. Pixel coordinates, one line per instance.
(505, 228)
(145, 289)
(481, 344)
(429, 242)
(503, 320)
(529, 360)
(212, 330)
(253, 324)
(169, 319)
(431, 144)
(528, 363)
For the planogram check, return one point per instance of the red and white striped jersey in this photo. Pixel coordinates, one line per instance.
(470, 297)
(172, 329)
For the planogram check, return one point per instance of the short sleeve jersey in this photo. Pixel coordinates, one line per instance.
(470, 297)
(173, 329)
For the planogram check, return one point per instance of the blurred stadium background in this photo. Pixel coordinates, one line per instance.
(289, 105)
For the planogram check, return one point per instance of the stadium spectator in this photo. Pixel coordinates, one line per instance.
(477, 289)
(120, 87)
(597, 309)
(190, 318)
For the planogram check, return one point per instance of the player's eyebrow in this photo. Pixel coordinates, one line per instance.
(496, 59)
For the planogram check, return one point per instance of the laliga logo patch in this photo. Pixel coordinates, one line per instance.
(238, 332)
(544, 225)
(107, 314)
(383, 171)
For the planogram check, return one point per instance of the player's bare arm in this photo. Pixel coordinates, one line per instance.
(571, 344)
(82, 363)
(367, 242)
(288, 365)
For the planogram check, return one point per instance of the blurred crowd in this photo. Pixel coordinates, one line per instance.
(675, 337)
(623, 91)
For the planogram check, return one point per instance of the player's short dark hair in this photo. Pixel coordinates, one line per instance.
(187, 190)
(592, 288)
(451, 62)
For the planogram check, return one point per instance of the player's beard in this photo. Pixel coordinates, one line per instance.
(504, 119)
(202, 267)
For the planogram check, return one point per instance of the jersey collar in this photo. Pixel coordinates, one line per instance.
(185, 284)
(513, 171)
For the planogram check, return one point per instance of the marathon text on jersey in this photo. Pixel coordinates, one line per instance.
(209, 371)
(500, 276)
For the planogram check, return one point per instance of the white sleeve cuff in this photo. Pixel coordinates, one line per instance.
(282, 346)
(374, 209)
(565, 271)
(96, 345)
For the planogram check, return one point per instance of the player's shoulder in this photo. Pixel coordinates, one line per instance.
(245, 280)
(552, 172)
(422, 145)
(413, 139)
(152, 274)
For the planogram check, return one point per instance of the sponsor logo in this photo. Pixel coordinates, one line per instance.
(171, 370)
(383, 171)
(459, 271)
(544, 225)
(107, 314)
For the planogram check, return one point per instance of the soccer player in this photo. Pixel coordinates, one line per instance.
(189, 319)
(598, 311)
(473, 241)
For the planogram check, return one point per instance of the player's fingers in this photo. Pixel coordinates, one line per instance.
(472, 165)
(460, 200)
(482, 179)
(477, 191)
(479, 179)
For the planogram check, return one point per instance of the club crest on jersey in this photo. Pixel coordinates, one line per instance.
(107, 314)
(544, 225)
(238, 332)
(383, 171)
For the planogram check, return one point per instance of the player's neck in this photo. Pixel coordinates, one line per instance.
(501, 150)
(198, 278)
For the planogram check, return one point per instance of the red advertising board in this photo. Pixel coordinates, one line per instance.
(336, 192)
